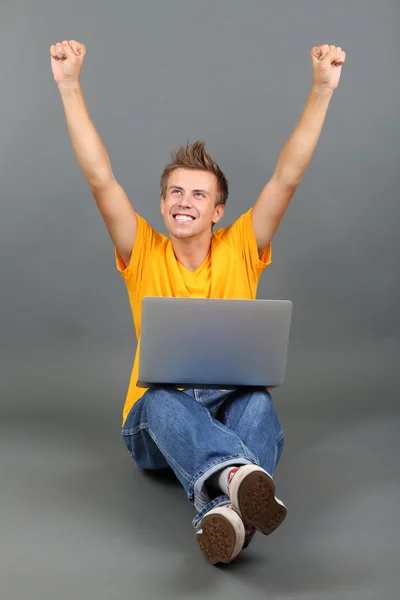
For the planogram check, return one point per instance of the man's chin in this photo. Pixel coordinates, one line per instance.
(181, 232)
(181, 235)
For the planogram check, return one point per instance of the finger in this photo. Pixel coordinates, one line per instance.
(74, 45)
(78, 48)
(333, 56)
(341, 58)
(68, 52)
(53, 51)
(59, 50)
(333, 50)
(319, 52)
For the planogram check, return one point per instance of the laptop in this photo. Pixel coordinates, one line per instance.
(213, 343)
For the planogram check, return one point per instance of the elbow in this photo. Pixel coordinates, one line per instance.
(288, 179)
(100, 180)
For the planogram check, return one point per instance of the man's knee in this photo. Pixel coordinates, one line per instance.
(264, 410)
(261, 401)
(156, 400)
(164, 403)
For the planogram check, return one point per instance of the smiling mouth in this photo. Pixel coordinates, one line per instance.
(183, 218)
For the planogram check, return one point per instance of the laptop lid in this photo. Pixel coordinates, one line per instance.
(213, 342)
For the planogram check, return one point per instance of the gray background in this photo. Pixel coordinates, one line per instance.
(77, 519)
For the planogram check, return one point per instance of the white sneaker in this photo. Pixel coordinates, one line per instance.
(222, 535)
(252, 493)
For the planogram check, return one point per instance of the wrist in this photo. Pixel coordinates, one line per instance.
(323, 91)
(69, 85)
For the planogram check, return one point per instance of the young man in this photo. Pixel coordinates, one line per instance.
(222, 446)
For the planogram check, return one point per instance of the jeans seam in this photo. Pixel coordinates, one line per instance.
(168, 457)
(220, 426)
(135, 430)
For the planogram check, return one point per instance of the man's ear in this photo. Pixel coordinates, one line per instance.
(218, 213)
(162, 205)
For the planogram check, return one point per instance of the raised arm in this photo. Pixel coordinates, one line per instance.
(118, 213)
(296, 154)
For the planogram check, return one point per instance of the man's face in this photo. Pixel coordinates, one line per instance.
(189, 206)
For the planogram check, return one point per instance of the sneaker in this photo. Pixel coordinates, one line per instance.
(222, 535)
(249, 534)
(252, 493)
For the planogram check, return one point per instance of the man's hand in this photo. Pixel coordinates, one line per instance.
(327, 64)
(67, 60)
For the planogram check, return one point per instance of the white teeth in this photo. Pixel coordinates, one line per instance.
(182, 218)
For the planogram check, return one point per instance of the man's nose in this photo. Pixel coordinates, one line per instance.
(185, 200)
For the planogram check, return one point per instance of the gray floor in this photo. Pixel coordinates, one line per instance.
(78, 520)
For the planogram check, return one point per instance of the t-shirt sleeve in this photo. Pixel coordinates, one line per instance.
(146, 239)
(241, 236)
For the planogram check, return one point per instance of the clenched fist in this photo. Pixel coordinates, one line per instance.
(67, 60)
(327, 64)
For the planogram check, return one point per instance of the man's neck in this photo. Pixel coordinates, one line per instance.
(191, 252)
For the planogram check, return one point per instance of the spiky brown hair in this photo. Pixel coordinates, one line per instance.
(194, 156)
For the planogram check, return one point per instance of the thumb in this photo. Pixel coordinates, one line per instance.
(318, 53)
(331, 56)
(78, 48)
(68, 51)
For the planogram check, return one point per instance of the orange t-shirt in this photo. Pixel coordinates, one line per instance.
(231, 270)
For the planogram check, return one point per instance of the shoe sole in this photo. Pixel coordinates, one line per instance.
(221, 537)
(253, 495)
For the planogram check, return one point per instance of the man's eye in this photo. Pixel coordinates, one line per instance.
(176, 191)
(199, 194)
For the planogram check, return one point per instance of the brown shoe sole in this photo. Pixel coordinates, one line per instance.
(217, 540)
(257, 503)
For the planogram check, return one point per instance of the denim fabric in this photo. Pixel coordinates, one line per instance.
(198, 432)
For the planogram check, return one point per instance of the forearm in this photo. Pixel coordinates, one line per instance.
(86, 142)
(298, 150)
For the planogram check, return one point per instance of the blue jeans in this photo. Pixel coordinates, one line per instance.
(198, 432)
